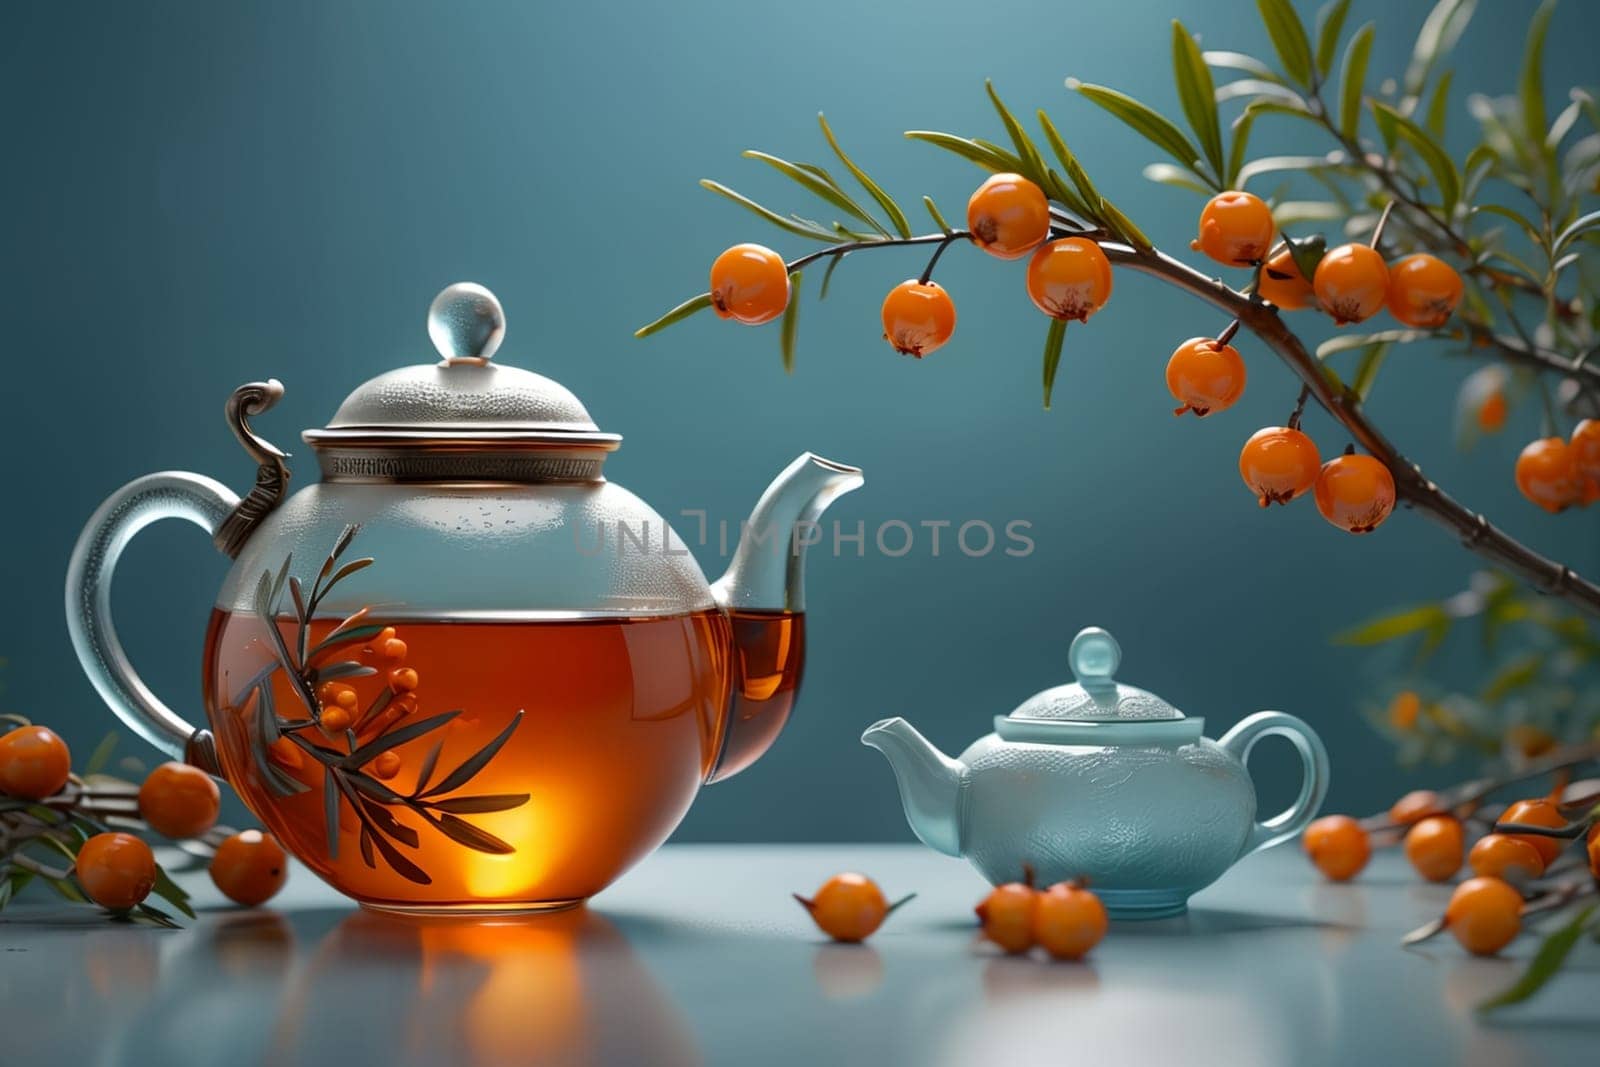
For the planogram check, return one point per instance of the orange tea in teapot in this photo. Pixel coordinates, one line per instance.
(555, 754)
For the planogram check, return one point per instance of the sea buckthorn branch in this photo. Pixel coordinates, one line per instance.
(1473, 528)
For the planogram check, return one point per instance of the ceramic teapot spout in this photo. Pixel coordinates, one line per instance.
(768, 568)
(930, 782)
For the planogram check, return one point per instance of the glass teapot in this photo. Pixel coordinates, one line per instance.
(464, 671)
(1101, 781)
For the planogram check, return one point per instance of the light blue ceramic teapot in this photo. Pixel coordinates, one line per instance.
(1101, 781)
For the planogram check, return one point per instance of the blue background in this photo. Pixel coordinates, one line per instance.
(200, 194)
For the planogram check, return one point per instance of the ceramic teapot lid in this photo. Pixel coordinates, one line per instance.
(464, 418)
(1096, 696)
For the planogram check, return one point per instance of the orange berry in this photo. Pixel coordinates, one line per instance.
(387, 765)
(1529, 741)
(1204, 375)
(1008, 216)
(286, 754)
(1484, 914)
(1278, 464)
(1283, 284)
(1492, 412)
(1068, 921)
(403, 679)
(1007, 916)
(918, 317)
(394, 649)
(34, 763)
(116, 870)
(1417, 804)
(1404, 710)
(335, 720)
(250, 867)
(1351, 283)
(1434, 846)
(1548, 476)
(1355, 492)
(1585, 448)
(1338, 846)
(1511, 859)
(335, 694)
(1536, 812)
(848, 907)
(1423, 290)
(1236, 228)
(179, 800)
(1069, 278)
(749, 284)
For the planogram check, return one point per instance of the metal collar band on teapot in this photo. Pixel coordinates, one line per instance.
(464, 419)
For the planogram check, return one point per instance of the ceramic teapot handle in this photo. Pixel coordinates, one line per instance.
(1313, 781)
(208, 504)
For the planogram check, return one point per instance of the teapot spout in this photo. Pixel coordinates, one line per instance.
(768, 568)
(930, 782)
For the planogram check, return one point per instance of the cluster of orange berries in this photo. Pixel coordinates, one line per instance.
(1008, 217)
(1556, 474)
(1066, 920)
(118, 870)
(1485, 911)
(1352, 283)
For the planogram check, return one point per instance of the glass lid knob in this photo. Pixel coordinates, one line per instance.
(1094, 656)
(466, 323)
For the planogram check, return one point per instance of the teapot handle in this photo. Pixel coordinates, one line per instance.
(208, 504)
(1313, 781)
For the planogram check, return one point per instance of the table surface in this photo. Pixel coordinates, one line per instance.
(700, 956)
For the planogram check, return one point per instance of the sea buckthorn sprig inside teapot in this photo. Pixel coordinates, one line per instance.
(464, 671)
(1104, 782)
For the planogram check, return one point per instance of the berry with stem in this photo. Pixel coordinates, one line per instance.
(1435, 847)
(1279, 463)
(1205, 375)
(1548, 476)
(1008, 216)
(1236, 229)
(749, 284)
(116, 870)
(1484, 914)
(34, 763)
(1069, 279)
(1355, 492)
(1068, 921)
(1351, 283)
(918, 317)
(1423, 291)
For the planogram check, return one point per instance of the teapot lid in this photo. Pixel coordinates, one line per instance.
(1096, 696)
(464, 418)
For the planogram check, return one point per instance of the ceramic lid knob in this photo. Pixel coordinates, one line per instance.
(1094, 655)
(466, 322)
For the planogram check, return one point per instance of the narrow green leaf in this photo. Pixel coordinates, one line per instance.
(1545, 963)
(469, 767)
(933, 213)
(100, 758)
(1367, 370)
(1153, 126)
(464, 833)
(1240, 150)
(1307, 253)
(1080, 200)
(678, 314)
(393, 738)
(885, 201)
(1432, 152)
(1352, 79)
(1330, 23)
(330, 812)
(1124, 226)
(1280, 107)
(813, 232)
(1239, 61)
(1275, 164)
(791, 323)
(1501, 211)
(827, 275)
(967, 149)
(1400, 624)
(1518, 674)
(171, 892)
(1440, 32)
(1586, 224)
(814, 183)
(1256, 89)
(481, 804)
(1288, 38)
(1197, 93)
(1174, 175)
(1350, 341)
(1438, 107)
(1530, 85)
(1032, 165)
(1295, 212)
(1052, 356)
